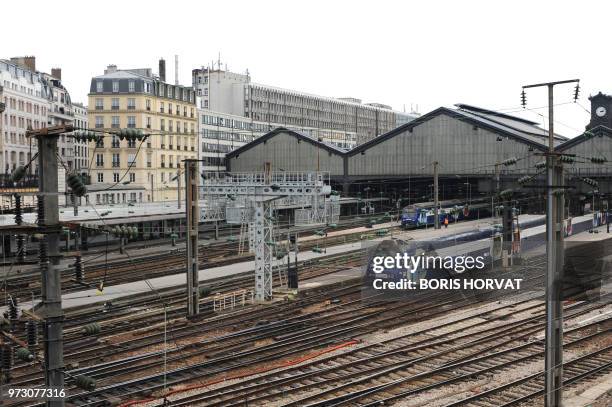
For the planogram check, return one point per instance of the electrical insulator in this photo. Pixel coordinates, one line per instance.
(566, 159)
(86, 135)
(598, 160)
(91, 329)
(130, 134)
(12, 308)
(523, 99)
(24, 355)
(510, 161)
(85, 383)
(7, 357)
(525, 179)
(32, 333)
(576, 92)
(76, 184)
(18, 174)
(40, 209)
(590, 182)
(540, 165)
(506, 193)
(78, 269)
(18, 210)
(588, 134)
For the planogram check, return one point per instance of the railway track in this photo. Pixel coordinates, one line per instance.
(151, 266)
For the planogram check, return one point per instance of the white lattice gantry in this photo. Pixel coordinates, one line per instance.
(252, 197)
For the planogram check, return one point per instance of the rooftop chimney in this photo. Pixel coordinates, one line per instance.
(28, 62)
(110, 69)
(162, 70)
(56, 73)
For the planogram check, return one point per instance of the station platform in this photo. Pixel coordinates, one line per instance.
(92, 296)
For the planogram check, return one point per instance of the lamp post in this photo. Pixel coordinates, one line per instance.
(468, 192)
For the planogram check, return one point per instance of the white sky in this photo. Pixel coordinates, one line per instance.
(430, 53)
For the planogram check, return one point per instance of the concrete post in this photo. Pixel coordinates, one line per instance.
(51, 309)
(193, 218)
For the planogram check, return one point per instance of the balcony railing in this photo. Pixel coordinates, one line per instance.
(115, 107)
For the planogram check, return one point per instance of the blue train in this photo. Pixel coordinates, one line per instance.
(422, 214)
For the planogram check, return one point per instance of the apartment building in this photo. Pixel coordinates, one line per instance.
(26, 103)
(81, 157)
(135, 98)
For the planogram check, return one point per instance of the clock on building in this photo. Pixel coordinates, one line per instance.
(600, 111)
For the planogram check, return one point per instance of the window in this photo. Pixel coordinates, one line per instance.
(161, 107)
(131, 159)
(115, 143)
(115, 103)
(116, 162)
(131, 104)
(115, 86)
(100, 177)
(205, 91)
(131, 86)
(206, 104)
(99, 104)
(170, 125)
(148, 104)
(169, 92)
(162, 125)
(115, 122)
(99, 122)
(131, 121)
(133, 179)
(115, 177)
(148, 122)
(99, 160)
(99, 86)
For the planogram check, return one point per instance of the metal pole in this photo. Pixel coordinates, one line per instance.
(436, 215)
(554, 314)
(51, 309)
(193, 217)
(178, 179)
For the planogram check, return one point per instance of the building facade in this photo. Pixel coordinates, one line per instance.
(60, 112)
(135, 98)
(221, 133)
(329, 119)
(26, 104)
(81, 157)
